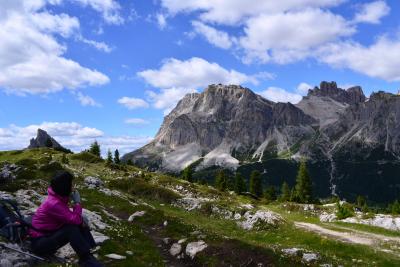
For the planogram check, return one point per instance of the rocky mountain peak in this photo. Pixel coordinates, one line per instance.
(222, 119)
(350, 96)
(226, 90)
(380, 95)
(43, 139)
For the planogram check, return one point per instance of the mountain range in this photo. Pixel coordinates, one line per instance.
(351, 142)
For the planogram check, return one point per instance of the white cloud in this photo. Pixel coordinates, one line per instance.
(132, 103)
(71, 135)
(376, 60)
(31, 59)
(136, 121)
(372, 12)
(277, 94)
(291, 36)
(161, 20)
(231, 12)
(86, 100)
(288, 31)
(110, 9)
(192, 73)
(101, 46)
(282, 32)
(175, 78)
(302, 88)
(168, 98)
(61, 24)
(218, 38)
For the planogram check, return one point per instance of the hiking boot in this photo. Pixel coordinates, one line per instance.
(90, 261)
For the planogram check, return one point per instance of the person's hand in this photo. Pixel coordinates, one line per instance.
(76, 197)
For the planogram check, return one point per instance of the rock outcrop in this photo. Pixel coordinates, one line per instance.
(43, 139)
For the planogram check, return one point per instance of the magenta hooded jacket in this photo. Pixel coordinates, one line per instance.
(53, 213)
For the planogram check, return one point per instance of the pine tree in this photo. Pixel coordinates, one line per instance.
(95, 148)
(187, 174)
(221, 180)
(269, 193)
(240, 184)
(303, 184)
(230, 182)
(285, 192)
(395, 207)
(256, 183)
(361, 201)
(293, 196)
(116, 157)
(109, 158)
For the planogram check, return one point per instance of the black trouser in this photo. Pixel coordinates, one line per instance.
(80, 239)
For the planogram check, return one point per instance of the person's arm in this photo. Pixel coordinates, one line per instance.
(62, 213)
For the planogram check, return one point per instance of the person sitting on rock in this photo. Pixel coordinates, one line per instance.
(54, 224)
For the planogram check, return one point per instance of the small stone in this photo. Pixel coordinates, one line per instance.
(99, 237)
(309, 257)
(165, 223)
(115, 256)
(166, 240)
(291, 251)
(136, 214)
(182, 241)
(93, 182)
(128, 252)
(237, 216)
(175, 249)
(97, 248)
(195, 247)
(309, 207)
(195, 232)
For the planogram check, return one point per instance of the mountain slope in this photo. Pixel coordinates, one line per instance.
(351, 143)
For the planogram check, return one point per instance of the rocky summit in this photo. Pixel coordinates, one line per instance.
(350, 141)
(43, 139)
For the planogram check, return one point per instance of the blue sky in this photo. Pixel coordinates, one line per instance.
(111, 69)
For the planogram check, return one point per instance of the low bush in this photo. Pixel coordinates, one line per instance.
(27, 162)
(86, 157)
(140, 187)
(344, 211)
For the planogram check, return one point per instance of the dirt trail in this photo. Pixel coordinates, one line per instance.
(375, 241)
(380, 237)
(349, 237)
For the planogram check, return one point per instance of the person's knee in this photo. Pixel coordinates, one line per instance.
(71, 228)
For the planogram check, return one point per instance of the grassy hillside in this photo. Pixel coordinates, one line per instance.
(178, 210)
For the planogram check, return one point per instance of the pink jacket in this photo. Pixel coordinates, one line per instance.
(53, 213)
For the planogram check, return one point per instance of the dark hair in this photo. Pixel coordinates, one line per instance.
(61, 183)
